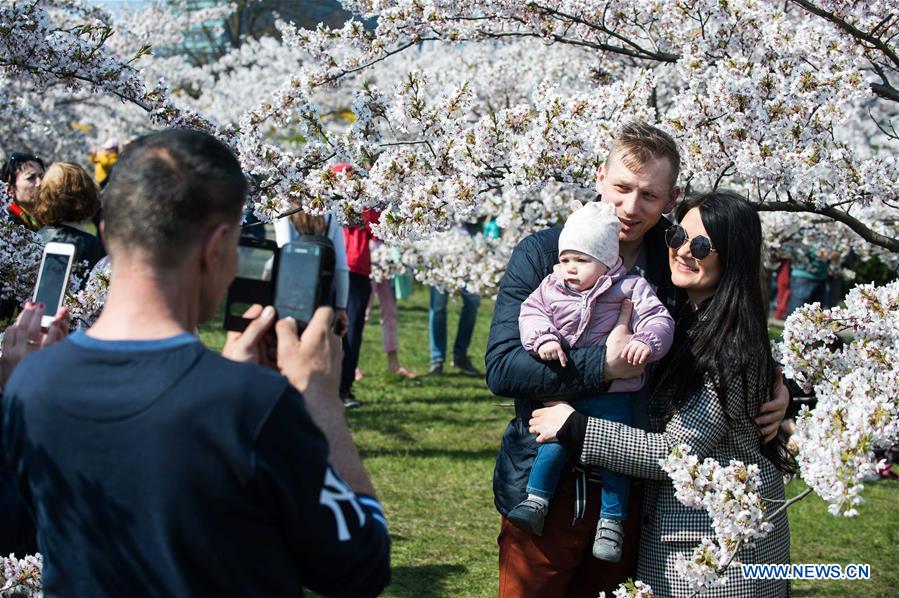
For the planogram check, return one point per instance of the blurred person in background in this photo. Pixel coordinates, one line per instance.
(358, 257)
(437, 325)
(66, 201)
(22, 174)
(104, 159)
(384, 290)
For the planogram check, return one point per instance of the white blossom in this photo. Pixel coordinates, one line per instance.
(849, 356)
(21, 578)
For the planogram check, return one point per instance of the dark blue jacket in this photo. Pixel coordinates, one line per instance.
(513, 372)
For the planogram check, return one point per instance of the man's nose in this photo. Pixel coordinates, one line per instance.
(629, 203)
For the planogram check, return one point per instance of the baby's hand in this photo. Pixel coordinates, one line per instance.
(552, 351)
(636, 352)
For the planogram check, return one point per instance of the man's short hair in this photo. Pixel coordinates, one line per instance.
(168, 189)
(637, 143)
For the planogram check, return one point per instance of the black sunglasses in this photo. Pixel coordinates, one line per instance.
(700, 247)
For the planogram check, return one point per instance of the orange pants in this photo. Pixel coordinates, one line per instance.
(560, 562)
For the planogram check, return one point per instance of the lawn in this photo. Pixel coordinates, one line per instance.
(430, 443)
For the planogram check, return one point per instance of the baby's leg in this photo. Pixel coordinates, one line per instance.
(530, 514)
(616, 487)
(546, 470)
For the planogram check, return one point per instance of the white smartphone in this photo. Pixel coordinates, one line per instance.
(53, 278)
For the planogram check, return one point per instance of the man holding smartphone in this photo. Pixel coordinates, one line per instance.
(156, 466)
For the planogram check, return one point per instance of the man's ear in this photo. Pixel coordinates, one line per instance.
(672, 199)
(600, 176)
(214, 248)
(101, 229)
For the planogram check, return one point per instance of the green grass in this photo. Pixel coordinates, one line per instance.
(429, 445)
(872, 538)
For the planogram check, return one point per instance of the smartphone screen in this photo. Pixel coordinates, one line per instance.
(52, 281)
(257, 264)
(297, 285)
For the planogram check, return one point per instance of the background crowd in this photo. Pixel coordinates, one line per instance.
(61, 202)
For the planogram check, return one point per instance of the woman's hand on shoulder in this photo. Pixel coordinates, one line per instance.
(773, 412)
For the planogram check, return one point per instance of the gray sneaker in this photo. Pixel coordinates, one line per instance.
(436, 368)
(464, 365)
(529, 515)
(608, 541)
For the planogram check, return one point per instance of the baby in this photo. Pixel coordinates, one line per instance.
(577, 306)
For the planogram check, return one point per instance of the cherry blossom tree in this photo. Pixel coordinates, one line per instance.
(450, 112)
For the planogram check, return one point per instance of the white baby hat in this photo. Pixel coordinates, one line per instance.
(592, 229)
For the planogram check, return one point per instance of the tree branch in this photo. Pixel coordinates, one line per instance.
(66, 75)
(886, 91)
(637, 51)
(851, 30)
(861, 229)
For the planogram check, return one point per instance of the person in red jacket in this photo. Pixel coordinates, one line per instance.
(358, 258)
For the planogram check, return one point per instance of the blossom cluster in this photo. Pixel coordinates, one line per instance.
(21, 578)
(730, 496)
(631, 589)
(86, 303)
(849, 356)
(20, 256)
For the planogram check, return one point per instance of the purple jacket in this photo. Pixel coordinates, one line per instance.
(555, 312)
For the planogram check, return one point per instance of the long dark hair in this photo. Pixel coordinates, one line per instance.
(726, 337)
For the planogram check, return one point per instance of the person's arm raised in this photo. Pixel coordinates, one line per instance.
(307, 462)
(511, 370)
(311, 363)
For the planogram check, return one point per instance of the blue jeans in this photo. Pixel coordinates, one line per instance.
(552, 457)
(437, 324)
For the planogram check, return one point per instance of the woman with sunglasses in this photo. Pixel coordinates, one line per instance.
(22, 174)
(705, 393)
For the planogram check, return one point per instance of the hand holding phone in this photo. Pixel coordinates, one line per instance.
(296, 279)
(255, 344)
(26, 336)
(53, 279)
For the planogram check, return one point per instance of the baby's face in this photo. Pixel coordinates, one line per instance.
(580, 270)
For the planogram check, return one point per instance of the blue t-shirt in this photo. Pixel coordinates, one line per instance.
(162, 468)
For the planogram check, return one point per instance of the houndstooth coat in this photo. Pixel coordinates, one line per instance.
(670, 528)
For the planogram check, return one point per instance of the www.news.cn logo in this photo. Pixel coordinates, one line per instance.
(806, 571)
